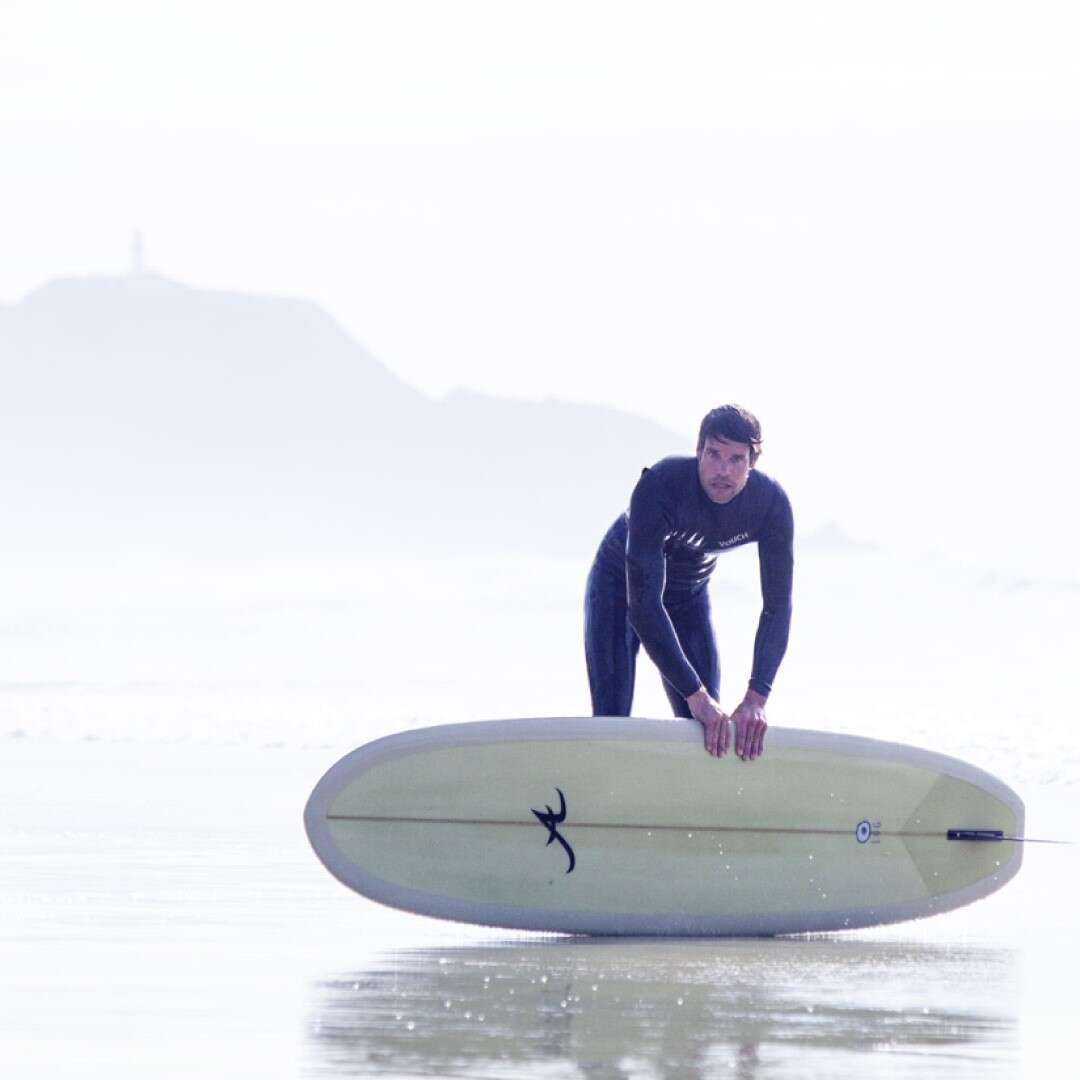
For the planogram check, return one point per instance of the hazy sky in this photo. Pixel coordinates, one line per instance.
(859, 219)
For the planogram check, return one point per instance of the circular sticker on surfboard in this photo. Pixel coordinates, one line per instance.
(863, 831)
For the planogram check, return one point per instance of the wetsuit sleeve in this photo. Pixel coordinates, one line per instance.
(776, 558)
(649, 526)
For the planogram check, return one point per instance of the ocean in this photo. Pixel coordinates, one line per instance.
(162, 721)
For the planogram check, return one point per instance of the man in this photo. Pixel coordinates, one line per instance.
(648, 583)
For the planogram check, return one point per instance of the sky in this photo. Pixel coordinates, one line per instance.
(858, 219)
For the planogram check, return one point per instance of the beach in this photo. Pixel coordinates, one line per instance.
(162, 912)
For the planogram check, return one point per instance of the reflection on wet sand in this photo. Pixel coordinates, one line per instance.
(680, 1009)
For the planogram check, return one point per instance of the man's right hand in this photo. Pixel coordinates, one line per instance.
(708, 714)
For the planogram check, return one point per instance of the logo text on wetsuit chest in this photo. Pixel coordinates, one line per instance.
(731, 541)
(700, 542)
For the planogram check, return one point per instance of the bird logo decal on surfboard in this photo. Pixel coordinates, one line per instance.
(551, 820)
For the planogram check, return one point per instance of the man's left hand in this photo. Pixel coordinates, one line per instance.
(750, 726)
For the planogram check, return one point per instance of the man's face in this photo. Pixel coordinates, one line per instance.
(723, 468)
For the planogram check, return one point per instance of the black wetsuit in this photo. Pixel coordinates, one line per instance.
(648, 585)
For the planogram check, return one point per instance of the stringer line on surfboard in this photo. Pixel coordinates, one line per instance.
(963, 835)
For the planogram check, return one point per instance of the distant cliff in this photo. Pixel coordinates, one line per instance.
(139, 413)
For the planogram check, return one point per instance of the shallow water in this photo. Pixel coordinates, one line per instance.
(161, 913)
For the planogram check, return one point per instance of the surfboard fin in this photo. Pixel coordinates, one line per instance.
(996, 834)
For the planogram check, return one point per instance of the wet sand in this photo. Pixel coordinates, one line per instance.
(162, 914)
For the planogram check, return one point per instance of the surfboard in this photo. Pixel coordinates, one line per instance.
(626, 826)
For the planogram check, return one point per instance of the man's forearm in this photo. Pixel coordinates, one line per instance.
(653, 626)
(770, 644)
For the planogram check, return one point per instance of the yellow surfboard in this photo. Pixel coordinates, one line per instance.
(624, 826)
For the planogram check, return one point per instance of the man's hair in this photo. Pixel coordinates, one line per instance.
(734, 423)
